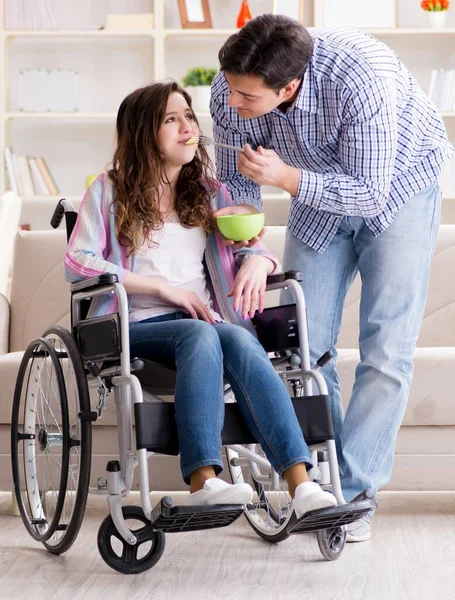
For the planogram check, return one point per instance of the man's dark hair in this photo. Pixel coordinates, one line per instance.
(273, 47)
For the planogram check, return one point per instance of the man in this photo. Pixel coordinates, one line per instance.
(334, 118)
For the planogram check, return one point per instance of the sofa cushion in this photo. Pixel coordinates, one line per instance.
(9, 367)
(40, 295)
(438, 326)
(431, 395)
(4, 324)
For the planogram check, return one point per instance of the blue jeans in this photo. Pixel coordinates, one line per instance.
(394, 269)
(203, 354)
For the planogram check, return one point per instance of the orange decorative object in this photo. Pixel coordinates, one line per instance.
(244, 14)
(435, 5)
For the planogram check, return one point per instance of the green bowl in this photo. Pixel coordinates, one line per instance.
(240, 227)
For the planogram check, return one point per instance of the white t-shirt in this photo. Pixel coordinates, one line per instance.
(176, 260)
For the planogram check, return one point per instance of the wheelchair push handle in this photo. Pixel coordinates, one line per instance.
(62, 207)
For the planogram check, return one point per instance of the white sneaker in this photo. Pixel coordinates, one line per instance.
(217, 491)
(310, 496)
(360, 530)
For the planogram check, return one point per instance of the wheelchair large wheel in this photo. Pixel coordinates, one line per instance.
(123, 557)
(40, 440)
(80, 440)
(271, 508)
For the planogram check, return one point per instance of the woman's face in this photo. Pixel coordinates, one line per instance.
(177, 128)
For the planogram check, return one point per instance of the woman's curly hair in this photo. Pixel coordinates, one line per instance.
(138, 170)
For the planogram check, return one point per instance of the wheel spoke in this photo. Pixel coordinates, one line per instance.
(129, 553)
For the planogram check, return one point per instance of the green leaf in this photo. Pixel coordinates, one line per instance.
(199, 76)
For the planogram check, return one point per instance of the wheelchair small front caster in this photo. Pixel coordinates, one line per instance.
(123, 557)
(331, 542)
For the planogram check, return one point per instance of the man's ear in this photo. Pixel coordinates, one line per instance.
(290, 89)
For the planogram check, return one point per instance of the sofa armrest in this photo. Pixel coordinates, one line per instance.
(4, 324)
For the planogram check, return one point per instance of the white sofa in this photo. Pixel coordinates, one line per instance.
(425, 453)
(10, 211)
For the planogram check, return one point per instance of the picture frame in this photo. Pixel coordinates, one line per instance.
(195, 14)
(289, 8)
(356, 14)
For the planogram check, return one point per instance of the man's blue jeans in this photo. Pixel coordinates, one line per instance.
(202, 354)
(394, 269)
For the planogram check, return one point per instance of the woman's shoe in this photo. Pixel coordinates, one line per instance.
(310, 496)
(217, 491)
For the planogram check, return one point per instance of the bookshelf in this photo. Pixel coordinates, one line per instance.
(112, 63)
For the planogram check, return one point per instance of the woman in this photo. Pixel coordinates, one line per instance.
(149, 220)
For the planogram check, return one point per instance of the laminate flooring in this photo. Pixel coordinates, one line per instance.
(411, 556)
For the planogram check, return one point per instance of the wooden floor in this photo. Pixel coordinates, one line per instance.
(410, 556)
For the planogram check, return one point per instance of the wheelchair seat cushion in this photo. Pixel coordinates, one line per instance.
(157, 378)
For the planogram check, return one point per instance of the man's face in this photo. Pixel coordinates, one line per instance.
(252, 98)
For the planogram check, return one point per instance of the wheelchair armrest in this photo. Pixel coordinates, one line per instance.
(94, 282)
(280, 277)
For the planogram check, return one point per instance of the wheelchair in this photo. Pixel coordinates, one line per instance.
(51, 434)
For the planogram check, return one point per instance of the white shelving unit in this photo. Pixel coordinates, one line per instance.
(11, 33)
(112, 63)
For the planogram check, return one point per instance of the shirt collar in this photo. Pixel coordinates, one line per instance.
(307, 98)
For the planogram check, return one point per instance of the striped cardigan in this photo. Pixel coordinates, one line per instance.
(94, 249)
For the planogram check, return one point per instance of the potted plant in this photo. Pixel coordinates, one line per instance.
(436, 11)
(197, 82)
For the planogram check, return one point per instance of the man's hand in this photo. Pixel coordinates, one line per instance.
(265, 167)
(249, 285)
(240, 209)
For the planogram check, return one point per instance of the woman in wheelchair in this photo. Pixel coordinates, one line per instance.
(149, 221)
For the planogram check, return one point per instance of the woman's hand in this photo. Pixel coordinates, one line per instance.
(249, 285)
(187, 300)
(240, 209)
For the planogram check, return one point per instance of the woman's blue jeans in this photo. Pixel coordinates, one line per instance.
(203, 354)
(394, 268)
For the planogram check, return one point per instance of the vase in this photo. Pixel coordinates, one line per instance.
(200, 97)
(437, 19)
(244, 15)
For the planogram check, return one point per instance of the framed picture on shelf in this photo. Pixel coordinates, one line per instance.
(289, 8)
(356, 14)
(195, 13)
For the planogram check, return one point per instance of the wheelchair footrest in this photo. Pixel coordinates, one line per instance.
(328, 518)
(172, 519)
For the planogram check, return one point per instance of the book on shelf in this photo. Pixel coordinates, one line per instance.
(49, 180)
(25, 176)
(29, 175)
(10, 171)
(38, 179)
(448, 179)
(442, 89)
